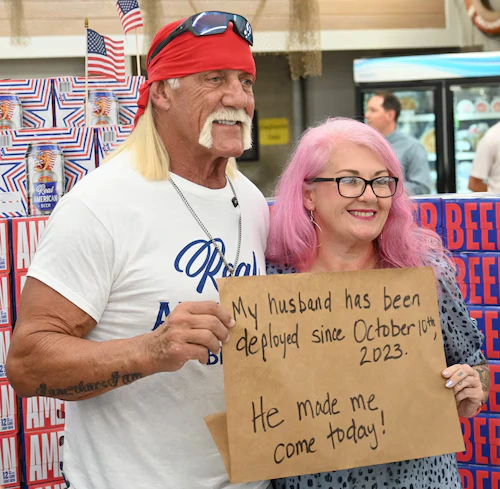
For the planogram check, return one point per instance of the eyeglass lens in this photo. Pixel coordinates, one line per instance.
(355, 186)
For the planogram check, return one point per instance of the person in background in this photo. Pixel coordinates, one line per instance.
(119, 311)
(486, 165)
(382, 113)
(340, 206)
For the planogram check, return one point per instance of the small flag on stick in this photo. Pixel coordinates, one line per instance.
(105, 56)
(130, 14)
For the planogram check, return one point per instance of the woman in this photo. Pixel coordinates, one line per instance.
(341, 206)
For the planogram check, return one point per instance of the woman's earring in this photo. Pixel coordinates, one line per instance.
(311, 217)
(380, 236)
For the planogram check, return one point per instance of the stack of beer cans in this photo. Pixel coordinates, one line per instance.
(470, 228)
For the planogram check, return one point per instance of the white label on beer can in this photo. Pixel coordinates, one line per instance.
(5, 141)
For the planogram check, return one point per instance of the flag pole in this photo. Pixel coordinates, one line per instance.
(86, 71)
(137, 53)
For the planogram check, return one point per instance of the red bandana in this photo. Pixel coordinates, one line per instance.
(188, 54)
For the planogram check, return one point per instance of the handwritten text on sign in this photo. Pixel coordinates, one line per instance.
(330, 371)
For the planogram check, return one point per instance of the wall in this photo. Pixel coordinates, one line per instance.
(273, 98)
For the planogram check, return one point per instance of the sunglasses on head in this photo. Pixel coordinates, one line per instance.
(209, 24)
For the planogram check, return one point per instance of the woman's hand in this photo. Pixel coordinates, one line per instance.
(467, 387)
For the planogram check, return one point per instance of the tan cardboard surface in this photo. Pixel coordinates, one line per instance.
(329, 371)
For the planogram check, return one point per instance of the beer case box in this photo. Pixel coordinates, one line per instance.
(9, 461)
(429, 213)
(479, 476)
(8, 409)
(26, 233)
(35, 96)
(78, 149)
(488, 322)
(69, 98)
(4, 246)
(482, 440)
(483, 286)
(58, 484)
(43, 455)
(19, 281)
(108, 138)
(471, 224)
(5, 338)
(5, 301)
(42, 413)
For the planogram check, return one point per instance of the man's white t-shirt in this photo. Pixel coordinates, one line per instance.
(127, 251)
(486, 165)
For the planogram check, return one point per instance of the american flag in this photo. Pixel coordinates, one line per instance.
(105, 56)
(130, 14)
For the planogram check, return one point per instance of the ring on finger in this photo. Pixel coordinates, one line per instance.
(460, 383)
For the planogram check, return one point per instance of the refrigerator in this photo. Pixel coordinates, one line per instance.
(448, 102)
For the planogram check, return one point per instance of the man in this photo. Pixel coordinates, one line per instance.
(119, 311)
(486, 165)
(382, 113)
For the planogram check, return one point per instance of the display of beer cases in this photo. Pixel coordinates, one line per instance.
(26, 101)
(58, 484)
(8, 409)
(471, 224)
(77, 155)
(26, 233)
(482, 440)
(42, 413)
(5, 337)
(43, 456)
(108, 138)
(69, 100)
(479, 476)
(488, 322)
(9, 461)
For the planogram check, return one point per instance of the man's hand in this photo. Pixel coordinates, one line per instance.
(189, 332)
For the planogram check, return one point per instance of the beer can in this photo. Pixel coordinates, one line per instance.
(103, 108)
(11, 112)
(44, 177)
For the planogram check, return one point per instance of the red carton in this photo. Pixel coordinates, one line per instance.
(42, 413)
(43, 455)
(19, 281)
(5, 303)
(9, 468)
(4, 246)
(5, 337)
(59, 484)
(488, 322)
(482, 440)
(8, 409)
(26, 234)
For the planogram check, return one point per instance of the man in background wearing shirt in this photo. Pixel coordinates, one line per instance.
(382, 114)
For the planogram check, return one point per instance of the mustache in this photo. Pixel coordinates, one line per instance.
(229, 114)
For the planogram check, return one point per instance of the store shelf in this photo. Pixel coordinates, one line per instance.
(478, 116)
(465, 155)
(412, 117)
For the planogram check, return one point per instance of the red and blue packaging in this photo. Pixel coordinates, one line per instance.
(69, 98)
(43, 456)
(35, 96)
(76, 143)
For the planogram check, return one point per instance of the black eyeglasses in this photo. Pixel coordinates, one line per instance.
(352, 187)
(209, 24)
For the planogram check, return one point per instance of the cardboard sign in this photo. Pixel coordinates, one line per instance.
(329, 371)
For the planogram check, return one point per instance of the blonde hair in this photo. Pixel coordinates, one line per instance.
(151, 157)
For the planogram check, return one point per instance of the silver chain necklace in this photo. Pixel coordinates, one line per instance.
(229, 268)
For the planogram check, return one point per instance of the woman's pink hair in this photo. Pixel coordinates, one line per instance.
(292, 237)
